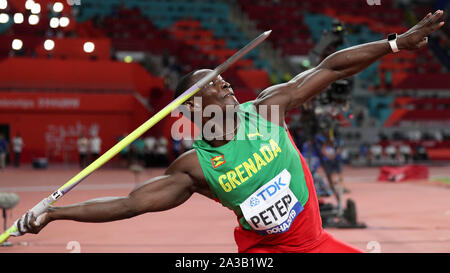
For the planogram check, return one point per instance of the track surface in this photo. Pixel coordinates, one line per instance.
(401, 217)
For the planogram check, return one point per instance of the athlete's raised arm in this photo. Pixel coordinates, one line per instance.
(343, 64)
(158, 194)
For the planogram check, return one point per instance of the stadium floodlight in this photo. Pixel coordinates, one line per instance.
(17, 44)
(49, 44)
(18, 18)
(36, 9)
(54, 22)
(29, 4)
(128, 59)
(4, 18)
(89, 47)
(33, 19)
(3, 4)
(64, 21)
(58, 7)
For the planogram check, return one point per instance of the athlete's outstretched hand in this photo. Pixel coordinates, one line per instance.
(416, 37)
(30, 224)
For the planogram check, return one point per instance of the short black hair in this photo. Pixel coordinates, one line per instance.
(184, 84)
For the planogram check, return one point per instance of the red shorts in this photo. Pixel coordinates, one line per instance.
(326, 244)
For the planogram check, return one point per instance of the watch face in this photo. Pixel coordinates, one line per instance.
(392, 36)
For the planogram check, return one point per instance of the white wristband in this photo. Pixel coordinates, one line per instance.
(394, 46)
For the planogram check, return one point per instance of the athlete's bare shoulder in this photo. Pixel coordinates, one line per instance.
(184, 163)
(188, 163)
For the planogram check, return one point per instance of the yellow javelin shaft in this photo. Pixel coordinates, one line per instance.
(126, 141)
(42, 206)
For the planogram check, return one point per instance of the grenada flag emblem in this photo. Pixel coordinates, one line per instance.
(217, 161)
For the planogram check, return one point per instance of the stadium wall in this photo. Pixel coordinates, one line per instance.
(50, 123)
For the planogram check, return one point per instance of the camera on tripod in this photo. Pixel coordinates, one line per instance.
(319, 123)
(329, 42)
(321, 113)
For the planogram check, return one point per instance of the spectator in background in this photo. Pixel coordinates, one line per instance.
(333, 164)
(329, 156)
(17, 148)
(405, 152)
(149, 149)
(376, 153)
(363, 150)
(162, 157)
(345, 155)
(95, 146)
(391, 152)
(339, 161)
(83, 148)
(3, 151)
(420, 153)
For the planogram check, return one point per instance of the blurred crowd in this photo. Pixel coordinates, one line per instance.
(396, 148)
(151, 151)
(89, 149)
(5, 149)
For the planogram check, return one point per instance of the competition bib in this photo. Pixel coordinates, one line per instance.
(273, 207)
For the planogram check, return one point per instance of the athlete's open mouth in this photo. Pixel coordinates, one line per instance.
(228, 94)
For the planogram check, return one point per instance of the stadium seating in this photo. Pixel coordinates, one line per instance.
(200, 34)
(212, 15)
(299, 24)
(419, 109)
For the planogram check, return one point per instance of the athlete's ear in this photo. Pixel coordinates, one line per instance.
(194, 103)
(190, 104)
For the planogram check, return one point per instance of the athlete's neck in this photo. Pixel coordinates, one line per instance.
(220, 133)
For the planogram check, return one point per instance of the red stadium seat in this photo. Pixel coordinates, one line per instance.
(254, 79)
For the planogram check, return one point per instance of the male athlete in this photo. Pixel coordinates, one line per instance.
(251, 166)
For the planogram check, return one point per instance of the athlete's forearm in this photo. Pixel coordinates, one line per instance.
(354, 59)
(339, 65)
(96, 210)
(157, 194)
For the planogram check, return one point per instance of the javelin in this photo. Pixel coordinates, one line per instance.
(42, 206)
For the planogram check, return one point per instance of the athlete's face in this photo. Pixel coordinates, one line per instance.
(217, 92)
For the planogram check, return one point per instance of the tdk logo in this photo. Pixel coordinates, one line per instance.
(254, 202)
(271, 189)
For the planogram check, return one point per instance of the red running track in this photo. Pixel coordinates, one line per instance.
(401, 217)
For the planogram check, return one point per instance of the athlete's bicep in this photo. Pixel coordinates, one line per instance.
(299, 90)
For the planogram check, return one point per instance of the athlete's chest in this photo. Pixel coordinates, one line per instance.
(244, 166)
